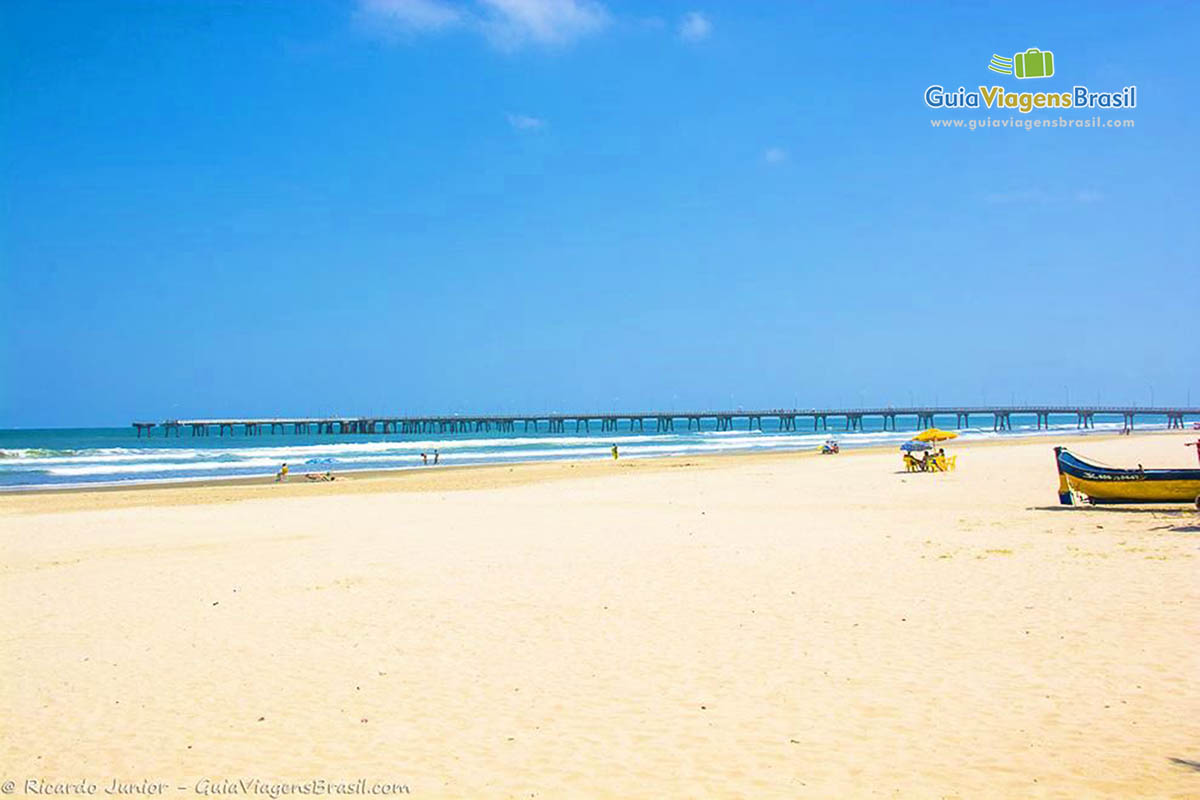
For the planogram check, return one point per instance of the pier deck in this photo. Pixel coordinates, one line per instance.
(790, 419)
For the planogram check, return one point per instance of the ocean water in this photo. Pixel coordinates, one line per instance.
(64, 457)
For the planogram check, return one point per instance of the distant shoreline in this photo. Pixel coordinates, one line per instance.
(646, 448)
(448, 477)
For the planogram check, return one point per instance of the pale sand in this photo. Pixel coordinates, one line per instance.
(757, 626)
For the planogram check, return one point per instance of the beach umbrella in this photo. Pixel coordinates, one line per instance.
(934, 435)
(908, 447)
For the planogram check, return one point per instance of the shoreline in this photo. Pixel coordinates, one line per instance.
(643, 448)
(462, 477)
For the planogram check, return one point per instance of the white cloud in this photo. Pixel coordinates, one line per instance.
(775, 155)
(508, 24)
(511, 23)
(524, 122)
(694, 27)
(410, 15)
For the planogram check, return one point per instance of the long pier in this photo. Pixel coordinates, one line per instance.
(792, 419)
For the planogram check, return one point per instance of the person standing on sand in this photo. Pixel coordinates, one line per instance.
(283, 471)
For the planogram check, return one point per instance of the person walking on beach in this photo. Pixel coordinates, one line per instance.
(614, 452)
(283, 471)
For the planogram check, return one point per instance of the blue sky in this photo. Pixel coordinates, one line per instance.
(503, 205)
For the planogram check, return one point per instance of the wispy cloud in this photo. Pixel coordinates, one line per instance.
(512, 23)
(409, 16)
(775, 155)
(507, 24)
(694, 27)
(524, 122)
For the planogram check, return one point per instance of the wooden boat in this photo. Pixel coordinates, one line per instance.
(1110, 485)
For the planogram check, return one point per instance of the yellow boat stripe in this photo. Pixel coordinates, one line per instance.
(1184, 491)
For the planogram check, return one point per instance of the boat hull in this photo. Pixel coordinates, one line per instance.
(1107, 485)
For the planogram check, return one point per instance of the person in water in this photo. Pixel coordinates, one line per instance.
(615, 453)
(435, 456)
(424, 458)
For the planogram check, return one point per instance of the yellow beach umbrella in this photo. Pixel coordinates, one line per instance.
(935, 435)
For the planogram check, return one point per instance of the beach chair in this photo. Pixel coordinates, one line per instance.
(951, 463)
(937, 464)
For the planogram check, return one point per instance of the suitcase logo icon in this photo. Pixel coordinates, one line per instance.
(1033, 63)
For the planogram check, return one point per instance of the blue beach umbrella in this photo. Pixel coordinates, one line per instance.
(908, 447)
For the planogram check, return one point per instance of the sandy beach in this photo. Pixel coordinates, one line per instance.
(782, 625)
